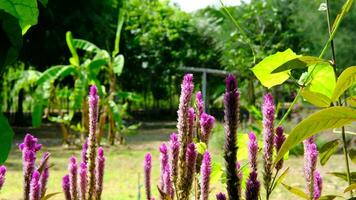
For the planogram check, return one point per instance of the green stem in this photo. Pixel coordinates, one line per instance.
(348, 174)
(273, 182)
(290, 107)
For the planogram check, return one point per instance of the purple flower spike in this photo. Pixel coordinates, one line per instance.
(73, 177)
(45, 173)
(205, 172)
(268, 111)
(279, 139)
(29, 147)
(66, 187)
(252, 187)
(318, 185)
(191, 119)
(206, 125)
(200, 103)
(93, 101)
(168, 186)
(2, 175)
(147, 166)
(174, 152)
(310, 160)
(163, 161)
(99, 172)
(191, 157)
(35, 189)
(231, 119)
(252, 151)
(84, 151)
(220, 196)
(83, 182)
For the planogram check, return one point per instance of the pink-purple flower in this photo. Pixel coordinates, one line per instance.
(205, 172)
(206, 125)
(147, 166)
(2, 175)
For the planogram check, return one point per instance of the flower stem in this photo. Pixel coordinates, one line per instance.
(290, 108)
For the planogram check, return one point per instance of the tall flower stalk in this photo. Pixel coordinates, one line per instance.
(173, 158)
(252, 184)
(205, 172)
(2, 175)
(99, 173)
(73, 177)
(91, 153)
(231, 118)
(147, 167)
(268, 111)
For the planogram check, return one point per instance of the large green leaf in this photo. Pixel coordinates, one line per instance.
(74, 60)
(328, 118)
(118, 64)
(85, 45)
(350, 188)
(327, 150)
(25, 11)
(296, 191)
(321, 79)
(264, 69)
(120, 22)
(37, 110)
(346, 79)
(316, 98)
(329, 197)
(6, 135)
(300, 62)
(55, 72)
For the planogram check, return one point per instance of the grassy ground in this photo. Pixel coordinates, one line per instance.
(123, 176)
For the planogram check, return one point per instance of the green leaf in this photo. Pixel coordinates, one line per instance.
(25, 11)
(350, 188)
(329, 197)
(296, 191)
(322, 79)
(346, 79)
(120, 22)
(299, 63)
(263, 70)
(351, 101)
(85, 45)
(118, 64)
(55, 72)
(327, 118)
(201, 147)
(217, 172)
(327, 150)
(74, 60)
(352, 155)
(37, 110)
(6, 135)
(242, 142)
(316, 98)
(48, 196)
(343, 176)
(281, 178)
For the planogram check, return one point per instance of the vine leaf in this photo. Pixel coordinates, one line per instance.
(327, 150)
(263, 70)
(316, 98)
(346, 79)
(300, 63)
(295, 191)
(328, 118)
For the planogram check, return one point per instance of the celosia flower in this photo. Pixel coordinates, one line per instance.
(84, 151)
(183, 129)
(200, 103)
(147, 166)
(205, 172)
(191, 157)
(99, 172)
(279, 139)
(191, 119)
(174, 152)
(73, 174)
(163, 162)
(35, 188)
(91, 154)
(168, 187)
(318, 185)
(252, 151)
(2, 175)
(45, 173)
(220, 196)
(83, 182)
(268, 111)
(29, 147)
(231, 118)
(252, 187)
(310, 160)
(66, 187)
(206, 125)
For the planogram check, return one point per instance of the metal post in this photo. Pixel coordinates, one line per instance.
(203, 79)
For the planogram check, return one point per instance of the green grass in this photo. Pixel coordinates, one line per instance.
(123, 175)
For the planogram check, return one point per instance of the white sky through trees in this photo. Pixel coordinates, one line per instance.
(193, 5)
